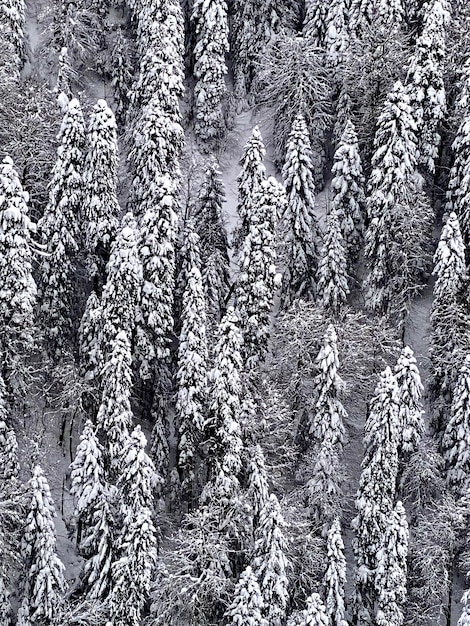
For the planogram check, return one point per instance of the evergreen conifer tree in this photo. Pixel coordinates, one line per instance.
(87, 476)
(250, 178)
(315, 614)
(347, 191)
(257, 482)
(131, 573)
(9, 467)
(334, 579)
(410, 390)
(303, 233)
(390, 576)
(122, 72)
(377, 487)
(12, 15)
(337, 33)
(101, 208)
(464, 619)
(269, 561)
(90, 338)
(456, 438)
(44, 578)
(121, 292)
(191, 376)
(258, 280)
(59, 226)
(115, 415)
(210, 21)
(458, 199)
(247, 604)
(18, 293)
(315, 22)
(332, 281)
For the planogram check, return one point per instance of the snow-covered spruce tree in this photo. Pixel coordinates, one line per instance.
(456, 438)
(101, 207)
(115, 415)
(5, 606)
(343, 114)
(89, 339)
(399, 232)
(334, 579)
(347, 191)
(377, 487)
(458, 193)
(210, 227)
(390, 575)
(18, 293)
(367, 13)
(59, 227)
(12, 16)
(337, 33)
(410, 391)
(191, 378)
(44, 582)
(137, 546)
(65, 74)
(315, 614)
(9, 466)
(87, 477)
(425, 81)
(303, 233)
(269, 562)
(247, 604)
(223, 426)
(323, 492)
(449, 319)
(285, 84)
(315, 25)
(464, 619)
(258, 280)
(249, 179)
(257, 491)
(158, 233)
(188, 257)
(122, 289)
(121, 72)
(210, 22)
(332, 277)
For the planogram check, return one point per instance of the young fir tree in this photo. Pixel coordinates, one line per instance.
(269, 562)
(59, 227)
(410, 390)
(449, 320)
(158, 233)
(89, 338)
(425, 81)
(257, 491)
(323, 490)
(343, 113)
(303, 233)
(334, 579)
(390, 575)
(137, 549)
(122, 72)
(395, 252)
(456, 438)
(101, 207)
(377, 487)
(247, 604)
(87, 477)
(210, 22)
(18, 293)
(332, 274)
(315, 613)
(122, 289)
(258, 280)
(347, 191)
(44, 582)
(337, 33)
(458, 198)
(189, 256)
(250, 178)
(115, 414)
(65, 75)
(191, 377)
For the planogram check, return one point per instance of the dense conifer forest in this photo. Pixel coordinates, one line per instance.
(234, 313)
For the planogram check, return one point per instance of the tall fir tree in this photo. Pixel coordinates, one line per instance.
(247, 604)
(59, 227)
(303, 233)
(410, 390)
(258, 280)
(315, 613)
(257, 482)
(315, 22)
(458, 198)
(44, 582)
(377, 488)
(332, 280)
(390, 576)
(101, 207)
(9, 466)
(456, 438)
(337, 33)
(334, 580)
(90, 339)
(210, 21)
(347, 191)
(12, 15)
